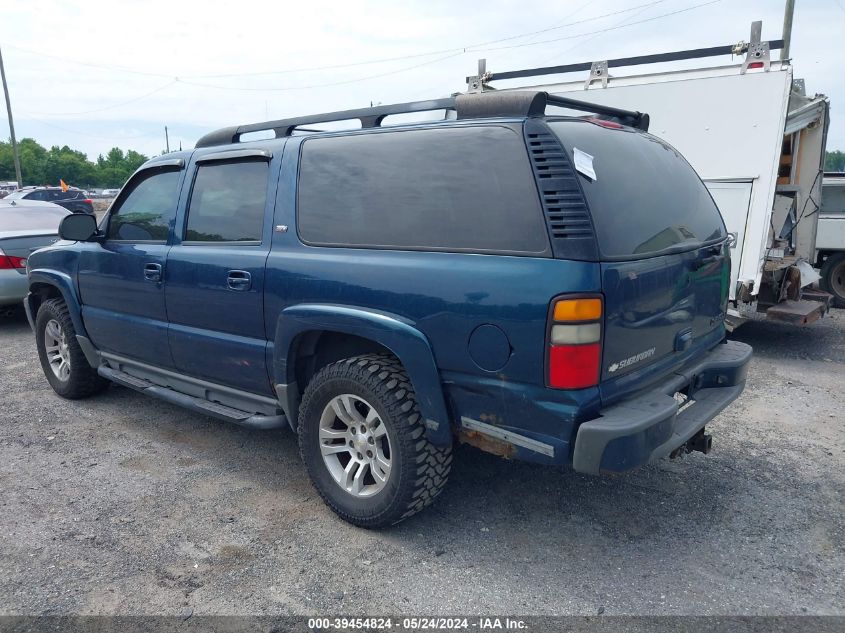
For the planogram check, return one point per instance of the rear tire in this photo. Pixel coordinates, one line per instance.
(833, 278)
(65, 366)
(362, 439)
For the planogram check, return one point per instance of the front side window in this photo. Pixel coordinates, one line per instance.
(36, 195)
(227, 202)
(145, 213)
(466, 188)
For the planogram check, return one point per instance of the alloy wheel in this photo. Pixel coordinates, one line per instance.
(355, 445)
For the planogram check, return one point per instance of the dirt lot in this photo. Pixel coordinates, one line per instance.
(123, 504)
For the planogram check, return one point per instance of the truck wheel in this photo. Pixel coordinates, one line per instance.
(833, 278)
(65, 366)
(363, 442)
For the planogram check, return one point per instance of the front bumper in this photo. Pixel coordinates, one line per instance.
(650, 426)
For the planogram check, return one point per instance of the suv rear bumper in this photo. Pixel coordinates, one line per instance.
(650, 426)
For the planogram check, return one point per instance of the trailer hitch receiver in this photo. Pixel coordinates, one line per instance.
(701, 442)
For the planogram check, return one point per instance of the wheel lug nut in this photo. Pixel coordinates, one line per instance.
(360, 456)
(371, 440)
(363, 429)
(370, 454)
(352, 430)
(351, 443)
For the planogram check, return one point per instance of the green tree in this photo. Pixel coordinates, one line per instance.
(40, 166)
(834, 161)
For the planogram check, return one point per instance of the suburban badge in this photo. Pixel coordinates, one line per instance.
(636, 358)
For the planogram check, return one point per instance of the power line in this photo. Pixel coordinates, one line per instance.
(612, 28)
(342, 82)
(560, 54)
(451, 54)
(456, 54)
(112, 106)
(69, 131)
(456, 49)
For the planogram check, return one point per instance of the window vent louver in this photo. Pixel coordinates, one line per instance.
(567, 215)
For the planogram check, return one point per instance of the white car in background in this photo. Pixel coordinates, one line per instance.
(25, 225)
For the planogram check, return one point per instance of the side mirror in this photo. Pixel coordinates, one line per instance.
(78, 227)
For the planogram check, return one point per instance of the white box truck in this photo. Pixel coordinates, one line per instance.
(755, 138)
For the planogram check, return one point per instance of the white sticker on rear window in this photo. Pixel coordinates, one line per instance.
(584, 163)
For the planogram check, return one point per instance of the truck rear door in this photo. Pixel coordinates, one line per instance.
(665, 262)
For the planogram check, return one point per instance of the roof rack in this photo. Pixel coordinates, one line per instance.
(756, 51)
(517, 103)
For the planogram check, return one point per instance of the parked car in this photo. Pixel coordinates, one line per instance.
(73, 200)
(543, 287)
(24, 226)
(109, 193)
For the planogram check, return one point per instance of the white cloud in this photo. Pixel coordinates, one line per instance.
(185, 39)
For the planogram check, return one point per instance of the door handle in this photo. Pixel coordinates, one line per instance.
(152, 272)
(239, 280)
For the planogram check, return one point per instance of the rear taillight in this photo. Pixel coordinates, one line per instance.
(574, 343)
(10, 261)
(87, 201)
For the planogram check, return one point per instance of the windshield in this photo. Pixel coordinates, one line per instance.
(645, 197)
(16, 195)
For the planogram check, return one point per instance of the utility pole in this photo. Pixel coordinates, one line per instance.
(166, 139)
(788, 12)
(15, 155)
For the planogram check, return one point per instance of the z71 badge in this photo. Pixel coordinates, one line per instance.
(636, 358)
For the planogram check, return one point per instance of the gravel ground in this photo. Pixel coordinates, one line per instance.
(123, 504)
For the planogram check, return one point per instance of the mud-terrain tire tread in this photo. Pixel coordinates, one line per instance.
(424, 471)
(84, 381)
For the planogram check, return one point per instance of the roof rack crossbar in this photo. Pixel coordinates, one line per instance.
(696, 53)
(369, 117)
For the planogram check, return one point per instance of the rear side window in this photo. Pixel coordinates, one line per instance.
(449, 189)
(646, 198)
(227, 202)
(144, 214)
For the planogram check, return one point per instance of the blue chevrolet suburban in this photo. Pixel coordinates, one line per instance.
(543, 286)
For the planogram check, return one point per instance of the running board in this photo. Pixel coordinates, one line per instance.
(198, 405)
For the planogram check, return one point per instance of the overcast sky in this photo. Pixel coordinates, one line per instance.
(94, 74)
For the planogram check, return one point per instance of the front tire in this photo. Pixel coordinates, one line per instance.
(833, 278)
(62, 360)
(363, 442)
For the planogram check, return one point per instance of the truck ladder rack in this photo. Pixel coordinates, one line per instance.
(757, 52)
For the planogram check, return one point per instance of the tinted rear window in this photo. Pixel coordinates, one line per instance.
(451, 189)
(646, 198)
